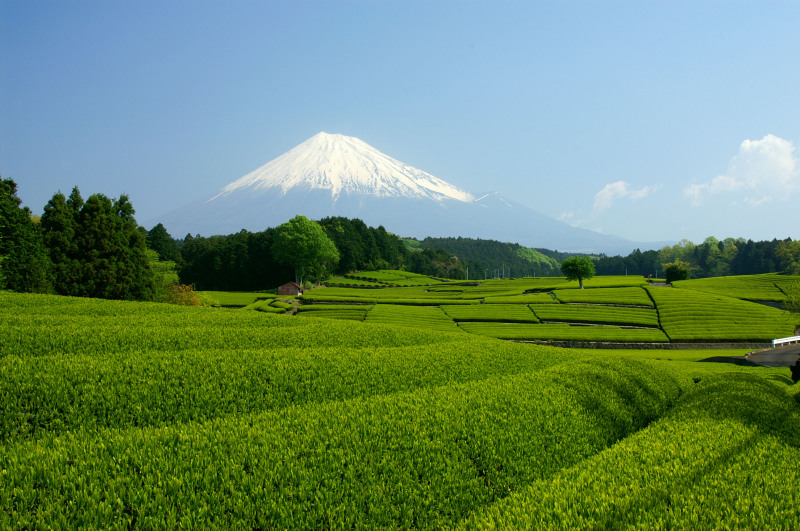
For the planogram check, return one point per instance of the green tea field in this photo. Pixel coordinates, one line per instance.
(152, 416)
(612, 309)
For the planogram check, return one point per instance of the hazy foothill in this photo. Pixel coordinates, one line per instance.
(413, 382)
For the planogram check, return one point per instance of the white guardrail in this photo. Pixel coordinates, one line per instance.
(794, 340)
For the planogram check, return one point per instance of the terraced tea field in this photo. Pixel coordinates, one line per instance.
(122, 414)
(552, 309)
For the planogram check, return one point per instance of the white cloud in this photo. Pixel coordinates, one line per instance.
(763, 170)
(620, 189)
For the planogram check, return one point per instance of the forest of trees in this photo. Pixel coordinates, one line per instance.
(91, 248)
(245, 261)
(485, 257)
(95, 248)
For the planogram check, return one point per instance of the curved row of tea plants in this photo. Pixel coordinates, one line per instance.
(694, 316)
(766, 287)
(96, 368)
(428, 458)
(726, 456)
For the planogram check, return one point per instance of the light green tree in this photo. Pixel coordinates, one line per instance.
(303, 244)
(677, 270)
(578, 268)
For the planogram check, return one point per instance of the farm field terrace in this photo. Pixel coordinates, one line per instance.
(613, 309)
(157, 416)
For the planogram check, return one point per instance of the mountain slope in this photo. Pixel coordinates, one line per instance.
(337, 175)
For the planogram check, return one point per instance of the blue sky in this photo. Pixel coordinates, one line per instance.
(649, 120)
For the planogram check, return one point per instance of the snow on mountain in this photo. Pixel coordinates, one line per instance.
(344, 164)
(337, 175)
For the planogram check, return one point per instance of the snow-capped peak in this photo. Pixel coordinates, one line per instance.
(345, 164)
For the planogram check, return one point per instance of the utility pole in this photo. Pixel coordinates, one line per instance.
(467, 272)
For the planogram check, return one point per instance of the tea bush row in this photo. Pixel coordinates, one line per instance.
(630, 296)
(427, 458)
(596, 314)
(766, 287)
(491, 312)
(42, 325)
(564, 332)
(688, 315)
(348, 315)
(428, 318)
(725, 457)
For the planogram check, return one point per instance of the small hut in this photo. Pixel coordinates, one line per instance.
(290, 288)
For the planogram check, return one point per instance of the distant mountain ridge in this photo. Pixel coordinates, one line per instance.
(337, 175)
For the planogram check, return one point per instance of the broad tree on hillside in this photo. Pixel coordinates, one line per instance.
(303, 244)
(677, 270)
(578, 268)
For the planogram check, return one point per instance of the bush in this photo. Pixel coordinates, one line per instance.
(182, 295)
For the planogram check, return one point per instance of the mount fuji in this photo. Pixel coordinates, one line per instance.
(337, 175)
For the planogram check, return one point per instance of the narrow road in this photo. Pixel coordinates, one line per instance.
(776, 357)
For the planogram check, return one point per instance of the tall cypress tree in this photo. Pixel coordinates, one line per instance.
(97, 248)
(25, 264)
(59, 226)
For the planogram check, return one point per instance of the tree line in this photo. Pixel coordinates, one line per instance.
(91, 248)
(712, 258)
(95, 248)
(485, 258)
(248, 261)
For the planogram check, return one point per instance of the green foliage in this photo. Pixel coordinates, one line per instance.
(239, 262)
(767, 287)
(97, 248)
(24, 264)
(152, 415)
(787, 254)
(421, 430)
(525, 298)
(159, 240)
(677, 270)
(693, 316)
(506, 313)
(165, 275)
(437, 263)
(481, 255)
(348, 314)
(564, 332)
(424, 317)
(234, 298)
(361, 247)
(726, 453)
(792, 300)
(596, 314)
(578, 268)
(633, 296)
(303, 244)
